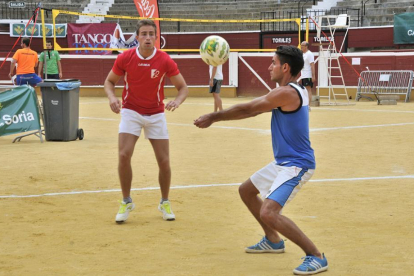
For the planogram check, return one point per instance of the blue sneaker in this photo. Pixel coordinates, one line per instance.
(312, 265)
(266, 246)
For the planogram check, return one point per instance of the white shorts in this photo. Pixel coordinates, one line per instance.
(155, 126)
(280, 183)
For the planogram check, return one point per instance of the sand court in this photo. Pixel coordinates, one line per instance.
(58, 200)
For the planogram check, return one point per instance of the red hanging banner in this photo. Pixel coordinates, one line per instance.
(149, 8)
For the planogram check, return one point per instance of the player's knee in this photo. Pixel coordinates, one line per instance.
(244, 190)
(247, 190)
(125, 157)
(265, 215)
(164, 163)
(269, 216)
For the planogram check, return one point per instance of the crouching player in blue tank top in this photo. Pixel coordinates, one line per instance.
(294, 163)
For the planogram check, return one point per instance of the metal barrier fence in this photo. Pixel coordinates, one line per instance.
(292, 26)
(17, 13)
(385, 83)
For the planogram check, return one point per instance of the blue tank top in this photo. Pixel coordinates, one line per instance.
(290, 134)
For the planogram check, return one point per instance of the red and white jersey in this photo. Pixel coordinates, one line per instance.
(144, 79)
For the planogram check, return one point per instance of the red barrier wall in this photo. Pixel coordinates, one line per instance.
(249, 40)
(93, 71)
(372, 37)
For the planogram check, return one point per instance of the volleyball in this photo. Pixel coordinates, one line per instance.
(214, 50)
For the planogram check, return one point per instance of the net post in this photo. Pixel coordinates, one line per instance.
(307, 29)
(298, 21)
(55, 13)
(42, 14)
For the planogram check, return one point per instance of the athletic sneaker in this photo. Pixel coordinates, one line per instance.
(266, 246)
(123, 212)
(165, 209)
(312, 265)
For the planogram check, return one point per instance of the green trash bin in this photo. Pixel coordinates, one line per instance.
(61, 110)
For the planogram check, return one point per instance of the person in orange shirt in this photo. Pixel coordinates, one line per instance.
(26, 60)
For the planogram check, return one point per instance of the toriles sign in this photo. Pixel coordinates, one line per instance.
(282, 40)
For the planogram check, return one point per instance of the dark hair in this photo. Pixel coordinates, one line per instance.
(50, 42)
(146, 22)
(26, 41)
(292, 56)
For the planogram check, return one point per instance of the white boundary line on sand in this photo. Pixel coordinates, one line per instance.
(202, 186)
(266, 130)
(316, 109)
(185, 103)
(236, 184)
(364, 110)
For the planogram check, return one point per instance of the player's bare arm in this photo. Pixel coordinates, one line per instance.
(284, 97)
(181, 86)
(60, 69)
(40, 68)
(213, 73)
(12, 66)
(109, 87)
(313, 71)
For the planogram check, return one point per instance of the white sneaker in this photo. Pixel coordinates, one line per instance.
(165, 209)
(123, 212)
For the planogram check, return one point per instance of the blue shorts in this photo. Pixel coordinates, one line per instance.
(280, 183)
(30, 79)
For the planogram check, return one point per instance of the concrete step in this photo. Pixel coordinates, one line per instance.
(371, 6)
(390, 10)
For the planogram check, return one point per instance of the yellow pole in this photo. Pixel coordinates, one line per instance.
(42, 13)
(307, 29)
(54, 14)
(298, 22)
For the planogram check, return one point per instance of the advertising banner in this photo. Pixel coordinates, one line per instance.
(98, 35)
(18, 111)
(18, 28)
(149, 8)
(404, 28)
(118, 39)
(94, 35)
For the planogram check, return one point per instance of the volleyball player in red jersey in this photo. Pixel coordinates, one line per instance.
(144, 69)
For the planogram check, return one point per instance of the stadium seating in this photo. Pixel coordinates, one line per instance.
(209, 9)
(380, 13)
(68, 5)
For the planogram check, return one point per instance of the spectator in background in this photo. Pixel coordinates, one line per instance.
(26, 61)
(53, 68)
(216, 78)
(308, 71)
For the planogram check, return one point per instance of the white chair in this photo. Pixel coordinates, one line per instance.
(341, 22)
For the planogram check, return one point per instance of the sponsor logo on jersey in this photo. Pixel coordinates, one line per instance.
(154, 73)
